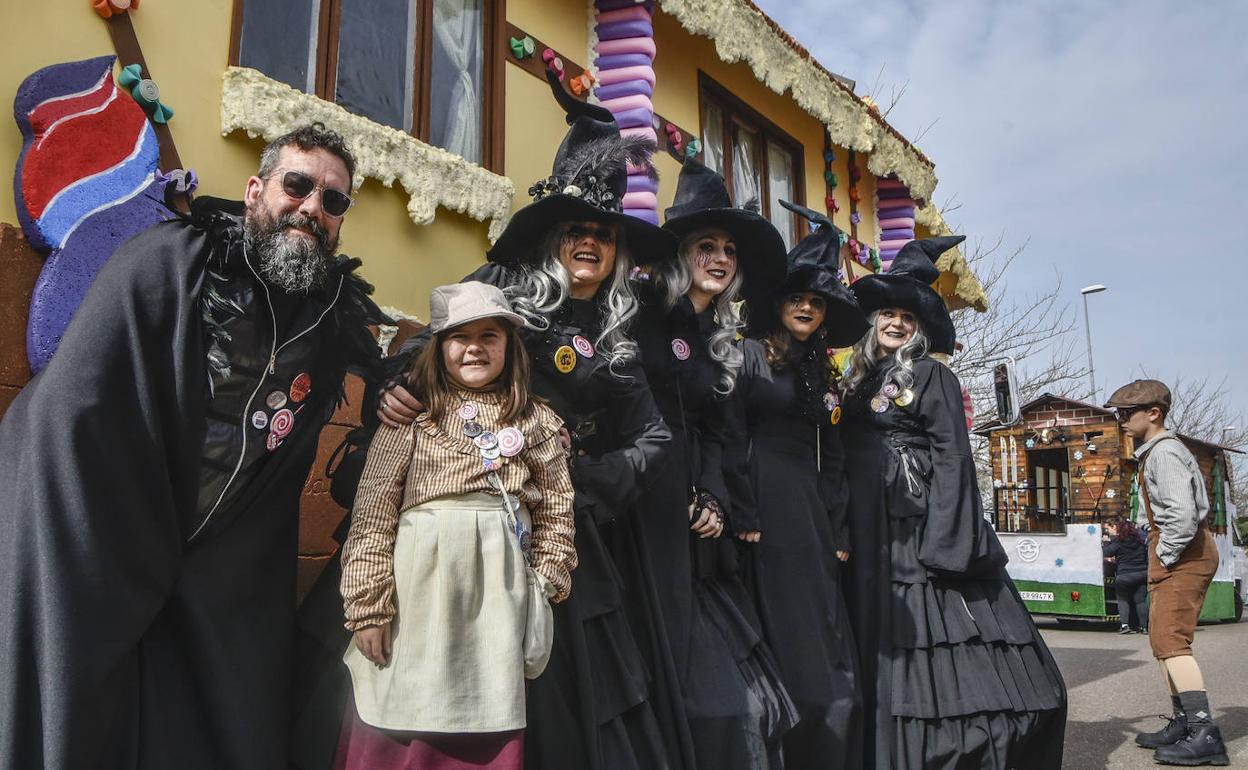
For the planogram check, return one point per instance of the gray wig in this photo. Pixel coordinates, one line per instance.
(867, 353)
(543, 288)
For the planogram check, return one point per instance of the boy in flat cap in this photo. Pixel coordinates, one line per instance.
(1182, 560)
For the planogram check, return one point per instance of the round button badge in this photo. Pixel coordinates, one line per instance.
(276, 399)
(272, 442)
(468, 410)
(879, 404)
(510, 441)
(890, 390)
(583, 346)
(680, 349)
(486, 440)
(282, 423)
(472, 429)
(300, 387)
(835, 416)
(259, 420)
(565, 359)
(905, 398)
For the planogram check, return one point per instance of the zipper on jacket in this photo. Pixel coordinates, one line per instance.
(274, 349)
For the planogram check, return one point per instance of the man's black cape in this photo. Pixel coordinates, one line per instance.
(121, 645)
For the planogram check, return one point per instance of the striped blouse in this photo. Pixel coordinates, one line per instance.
(423, 461)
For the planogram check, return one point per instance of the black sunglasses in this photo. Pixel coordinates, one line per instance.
(299, 186)
(601, 233)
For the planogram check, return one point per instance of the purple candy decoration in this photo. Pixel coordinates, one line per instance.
(648, 215)
(627, 88)
(897, 193)
(896, 235)
(642, 183)
(623, 60)
(634, 118)
(855, 218)
(623, 29)
(615, 5)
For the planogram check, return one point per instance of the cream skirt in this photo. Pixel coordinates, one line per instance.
(461, 588)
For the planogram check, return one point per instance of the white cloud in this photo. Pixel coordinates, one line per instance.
(1110, 135)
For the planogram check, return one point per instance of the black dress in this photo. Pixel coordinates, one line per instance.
(794, 470)
(735, 706)
(963, 678)
(592, 708)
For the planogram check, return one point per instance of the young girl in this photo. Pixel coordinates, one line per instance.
(435, 583)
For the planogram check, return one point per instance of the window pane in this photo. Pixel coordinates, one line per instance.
(745, 179)
(376, 42)
(455, 102)
(780, 186)
(268, 41)
(712, 136)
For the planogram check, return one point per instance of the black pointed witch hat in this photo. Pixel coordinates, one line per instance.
(814, 265)
(587, 184)
(702, 201)
(908, 284)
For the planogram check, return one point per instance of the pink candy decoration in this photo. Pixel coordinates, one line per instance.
(609, 77)
(626, 46)
(634, 102)
(640, 200)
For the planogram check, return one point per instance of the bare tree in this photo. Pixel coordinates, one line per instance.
(1201, 409)
(1032, 328)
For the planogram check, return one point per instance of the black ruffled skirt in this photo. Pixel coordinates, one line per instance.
(591, 709)
(970, 682)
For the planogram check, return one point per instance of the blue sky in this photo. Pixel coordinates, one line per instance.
(1111, 137)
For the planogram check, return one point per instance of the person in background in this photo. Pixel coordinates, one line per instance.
(1124, 547)
(1182, 560)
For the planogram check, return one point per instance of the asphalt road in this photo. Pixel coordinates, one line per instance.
(1116, 691)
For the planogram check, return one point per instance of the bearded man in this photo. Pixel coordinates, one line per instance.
(152, 475)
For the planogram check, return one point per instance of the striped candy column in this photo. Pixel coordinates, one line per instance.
(894, 211)
(624, 54)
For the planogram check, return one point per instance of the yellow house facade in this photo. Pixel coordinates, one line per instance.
(425, 216)
(445, 106)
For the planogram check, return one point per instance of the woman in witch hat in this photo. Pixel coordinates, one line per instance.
(794, 494)
(733, 702)
(563, 262)
(963, 678)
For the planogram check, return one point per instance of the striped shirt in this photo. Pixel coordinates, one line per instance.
(1176, 493)
(423, 461)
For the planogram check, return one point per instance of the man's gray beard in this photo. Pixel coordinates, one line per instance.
(293, 264)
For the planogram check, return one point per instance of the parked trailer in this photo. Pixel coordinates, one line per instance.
(1060, 468)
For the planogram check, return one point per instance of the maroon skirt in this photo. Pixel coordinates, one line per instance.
(363, 747)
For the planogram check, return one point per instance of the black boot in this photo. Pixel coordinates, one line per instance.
(1173, 732)
(1201, 746)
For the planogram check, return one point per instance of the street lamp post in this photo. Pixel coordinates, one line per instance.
(1087, 326)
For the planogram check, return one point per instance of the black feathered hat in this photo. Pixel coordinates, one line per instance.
(814, 265)
(702, 201)
(587, 184)
(908, 284)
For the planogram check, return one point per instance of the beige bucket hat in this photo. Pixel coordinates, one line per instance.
(461, 303)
